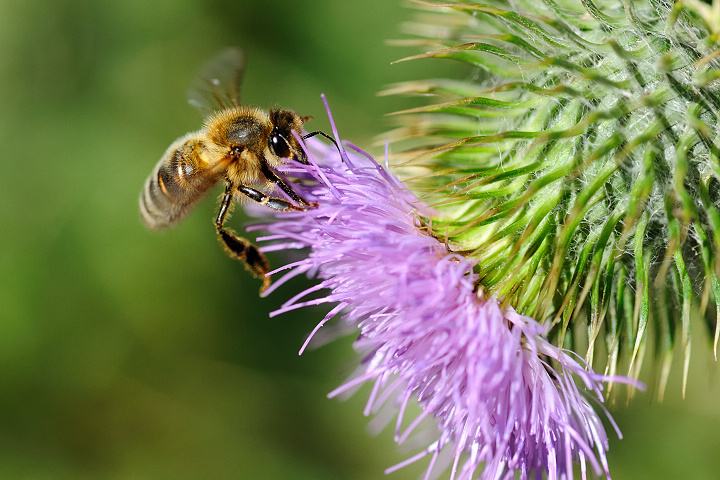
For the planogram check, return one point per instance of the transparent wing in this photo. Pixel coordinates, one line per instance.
(217, 86)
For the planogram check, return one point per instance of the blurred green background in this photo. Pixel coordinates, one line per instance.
(130, 354)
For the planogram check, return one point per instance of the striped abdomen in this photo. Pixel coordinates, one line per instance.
(180, 178)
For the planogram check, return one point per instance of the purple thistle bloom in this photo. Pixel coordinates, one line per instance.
(505, 400)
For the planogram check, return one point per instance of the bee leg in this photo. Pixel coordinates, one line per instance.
(272, 202)
(240, 248)
(322, 134)
(274, 178)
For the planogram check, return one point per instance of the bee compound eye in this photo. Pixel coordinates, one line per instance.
(279, 146)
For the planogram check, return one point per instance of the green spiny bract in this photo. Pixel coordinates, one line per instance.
(579, 165)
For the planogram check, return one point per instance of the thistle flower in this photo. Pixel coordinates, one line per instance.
(570, 184)
(578, 165)
(505, 400)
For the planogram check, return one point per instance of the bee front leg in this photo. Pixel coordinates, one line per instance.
(238, 247)
(274, 178)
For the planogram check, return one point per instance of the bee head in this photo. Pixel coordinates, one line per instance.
(282, 142)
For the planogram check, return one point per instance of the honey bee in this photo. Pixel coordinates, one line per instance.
(239, 145)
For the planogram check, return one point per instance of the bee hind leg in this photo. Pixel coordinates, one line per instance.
(238, 247)
(242, 249)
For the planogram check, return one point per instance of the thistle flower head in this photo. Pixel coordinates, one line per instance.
(505, 400)
(578, 166)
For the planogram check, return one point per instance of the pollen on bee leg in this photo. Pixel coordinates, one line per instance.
(266, 282)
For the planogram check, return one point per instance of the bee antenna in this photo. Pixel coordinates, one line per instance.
(299, 156)
(323, 134)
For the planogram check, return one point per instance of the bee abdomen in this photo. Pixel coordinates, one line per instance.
(157, 206)
(175, 184)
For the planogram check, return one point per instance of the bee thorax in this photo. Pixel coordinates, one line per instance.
(245, 170)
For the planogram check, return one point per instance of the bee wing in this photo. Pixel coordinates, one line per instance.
(217, 85)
